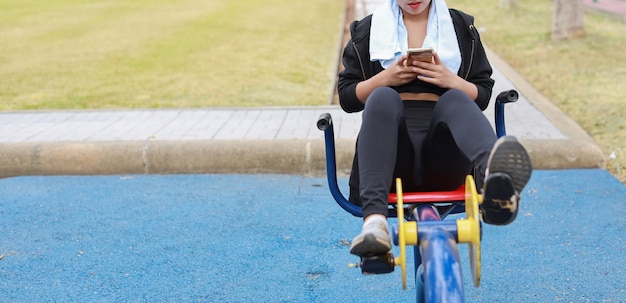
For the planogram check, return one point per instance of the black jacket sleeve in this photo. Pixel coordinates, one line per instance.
(357, 66)
(348, 79)
(475, 66)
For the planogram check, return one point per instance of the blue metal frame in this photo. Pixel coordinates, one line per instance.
(325, 123)
(438, 244)
(443, 263)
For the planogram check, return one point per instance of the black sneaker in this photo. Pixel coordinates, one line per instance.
(508, 170)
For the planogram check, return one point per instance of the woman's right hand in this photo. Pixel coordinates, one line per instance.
(397, 74)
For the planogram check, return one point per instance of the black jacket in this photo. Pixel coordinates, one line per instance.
(474, 68)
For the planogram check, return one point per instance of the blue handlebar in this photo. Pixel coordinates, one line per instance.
(503, 98)
(325, 123)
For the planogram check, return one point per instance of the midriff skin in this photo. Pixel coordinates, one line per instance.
(419, 96)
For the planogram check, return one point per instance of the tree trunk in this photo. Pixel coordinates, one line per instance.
(568, 19)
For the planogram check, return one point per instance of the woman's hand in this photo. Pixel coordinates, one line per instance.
(399, 73)
(438, 74)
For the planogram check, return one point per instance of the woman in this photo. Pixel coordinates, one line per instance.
(423, 121)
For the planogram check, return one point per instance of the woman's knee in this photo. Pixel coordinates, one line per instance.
(384, 100)
(455, 100)
(456, 96)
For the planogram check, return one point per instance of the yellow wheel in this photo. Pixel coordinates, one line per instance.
(401, 259)
(472, 199)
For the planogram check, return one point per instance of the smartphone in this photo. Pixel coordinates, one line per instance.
(424, 54)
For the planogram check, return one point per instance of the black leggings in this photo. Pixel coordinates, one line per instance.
(430, 145)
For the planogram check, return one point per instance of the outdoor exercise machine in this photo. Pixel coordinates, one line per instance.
(422, 224)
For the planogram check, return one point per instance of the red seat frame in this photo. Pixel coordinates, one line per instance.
(430, 196)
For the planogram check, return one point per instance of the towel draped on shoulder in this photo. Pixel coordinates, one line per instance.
(389, 38)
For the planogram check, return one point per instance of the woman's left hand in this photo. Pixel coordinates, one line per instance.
(436, 73)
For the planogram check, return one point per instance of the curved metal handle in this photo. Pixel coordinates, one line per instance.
(504, 97)
(507, 96)
(324, 121)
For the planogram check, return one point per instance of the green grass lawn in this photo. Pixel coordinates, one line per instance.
(75, 54)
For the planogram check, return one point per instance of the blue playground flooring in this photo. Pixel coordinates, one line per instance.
(282, 238)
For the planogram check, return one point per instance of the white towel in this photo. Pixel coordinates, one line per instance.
(388, 35)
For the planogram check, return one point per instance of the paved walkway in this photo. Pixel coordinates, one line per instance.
(281, 140)
(614, 7)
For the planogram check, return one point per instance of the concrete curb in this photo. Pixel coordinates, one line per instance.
(299, 156)
(563, 154)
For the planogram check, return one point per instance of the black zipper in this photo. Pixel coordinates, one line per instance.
(469, 68)
(360, 60)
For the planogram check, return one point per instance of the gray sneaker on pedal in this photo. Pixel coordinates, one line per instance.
(508, 170)
(373, 240)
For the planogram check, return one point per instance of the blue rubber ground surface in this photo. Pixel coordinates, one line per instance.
(278, 238)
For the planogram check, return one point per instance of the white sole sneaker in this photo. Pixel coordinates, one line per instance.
(373, 240)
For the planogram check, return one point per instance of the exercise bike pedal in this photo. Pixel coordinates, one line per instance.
(376, 265)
